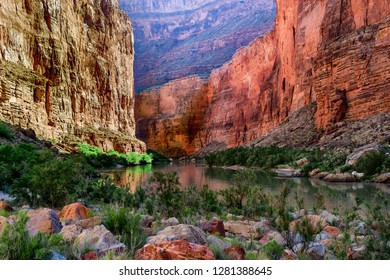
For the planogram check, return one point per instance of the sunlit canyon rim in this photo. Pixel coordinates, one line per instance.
(319, 78)
(66, 71)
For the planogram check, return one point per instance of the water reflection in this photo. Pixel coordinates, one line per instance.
(337, 195)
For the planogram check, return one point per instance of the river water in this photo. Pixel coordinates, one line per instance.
(337, 195)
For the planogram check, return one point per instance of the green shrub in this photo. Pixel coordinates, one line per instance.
(53, 183)
(371, 163)
(166, 188)
(273, 250)
(5, 132)
(121, 222)
(234, 196)
(16, 243)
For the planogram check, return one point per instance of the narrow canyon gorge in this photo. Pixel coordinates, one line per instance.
(319, 78)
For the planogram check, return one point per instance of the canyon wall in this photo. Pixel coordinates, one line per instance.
(66, 71)
(170, 117)
(177, 38)
(324, 68)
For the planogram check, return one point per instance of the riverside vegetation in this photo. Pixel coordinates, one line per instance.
(261, 225)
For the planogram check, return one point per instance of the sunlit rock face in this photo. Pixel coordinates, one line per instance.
(66, 71)
(320, 75)
(179, 38)
(170, 117)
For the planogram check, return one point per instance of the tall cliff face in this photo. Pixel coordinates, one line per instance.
(177, 38)
(322, 72)
(171, 117)
(66, 71)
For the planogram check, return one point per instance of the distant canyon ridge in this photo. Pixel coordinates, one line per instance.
(179, 38)
(320, 78)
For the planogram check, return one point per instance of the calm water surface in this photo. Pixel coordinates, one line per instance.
(337, 195)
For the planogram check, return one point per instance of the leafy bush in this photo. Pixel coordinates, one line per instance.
(97, 158)
(273, 250)
(17, 244)
(5, 132)
(371, 163)
(53, 183)
(234, 196)
(166, 188)
(121, 222)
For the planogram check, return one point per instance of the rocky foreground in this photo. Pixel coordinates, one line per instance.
(233, 237)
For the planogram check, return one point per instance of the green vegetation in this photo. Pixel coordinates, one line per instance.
(98, 159)
(122, 223)
(5, 132)
(273, 250)
(271, 157)
(373, 163)
(17, 244)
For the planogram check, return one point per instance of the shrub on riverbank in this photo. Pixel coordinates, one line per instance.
(99, 159)
(273, 156)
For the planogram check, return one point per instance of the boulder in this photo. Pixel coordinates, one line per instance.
(383, 178)
(321, 175)
(214, 226)
(332, 231)
(289, 255)
(340, 177)
(90, 256)
(213, 240)
(99, 239)
(175, 250)
(353, 158)
(171, 222)
(189, 233)
(317, 250)
(357, 175)
(314, 172)
(146, 221)
(74, 211)
(55, 256)
(3, 223)
(70, 233)
(235, 253)
(330, 218)
(317, 223)
(273, 235)
(5, 206)
(89, 223)
(242, 228)
(43, 220)
(302, 162)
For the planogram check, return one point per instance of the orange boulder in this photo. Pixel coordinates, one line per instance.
(176, 250)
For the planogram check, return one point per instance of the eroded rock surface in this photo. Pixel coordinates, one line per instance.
(66, 71)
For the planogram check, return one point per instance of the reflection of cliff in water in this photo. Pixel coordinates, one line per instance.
(336, 195)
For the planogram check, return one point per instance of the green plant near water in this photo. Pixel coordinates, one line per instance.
(126, 225)
(234, 196)
(166, 188)
(98, 158)
(273, 156)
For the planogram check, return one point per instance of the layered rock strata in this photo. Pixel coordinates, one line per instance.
(66, 71)
(179, 38)
(322, 72)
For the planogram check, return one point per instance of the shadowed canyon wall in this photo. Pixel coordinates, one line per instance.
(66, 71)
(324, 67)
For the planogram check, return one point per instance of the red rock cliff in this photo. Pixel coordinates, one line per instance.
(170, 117)
(328, 60)
(66, 71)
